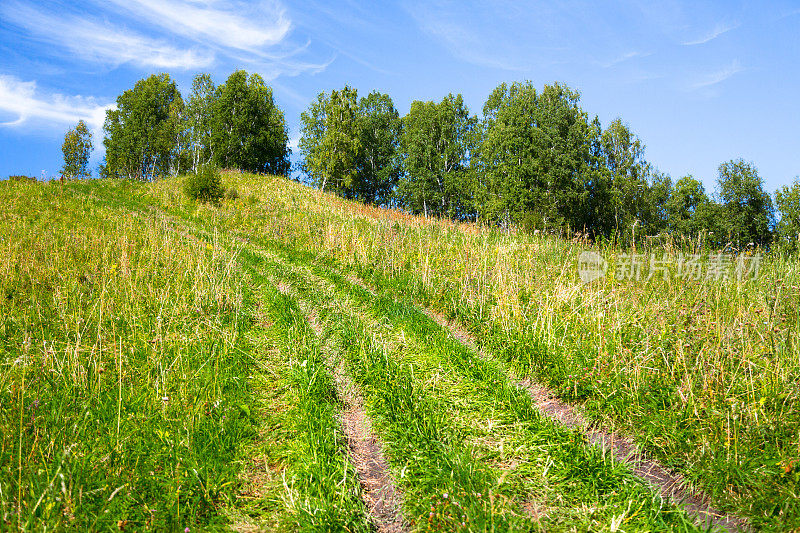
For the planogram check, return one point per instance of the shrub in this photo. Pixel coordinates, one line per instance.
(232, 194)
(205, 185)
(21, 178)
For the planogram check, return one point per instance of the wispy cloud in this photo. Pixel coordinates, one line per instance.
(464, 46)
(249, 26)
(24, 101)
(717, 76)
(622, 58)
(102, 42)
(462, 42)
(503, 35)
(169, 34)
(718, 30)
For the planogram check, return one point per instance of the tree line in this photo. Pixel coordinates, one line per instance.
(155, 132)
(533, 159)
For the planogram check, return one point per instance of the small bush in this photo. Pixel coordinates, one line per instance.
(232, 194)
(21, 178)
(204, 185)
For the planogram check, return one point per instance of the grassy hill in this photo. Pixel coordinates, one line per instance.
(166, 365)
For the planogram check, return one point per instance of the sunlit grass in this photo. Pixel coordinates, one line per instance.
(532, 468)
(132, 368)
(134, 356)
(122, 398)
(702, 373)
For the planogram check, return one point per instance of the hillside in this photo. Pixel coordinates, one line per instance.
(292, 360)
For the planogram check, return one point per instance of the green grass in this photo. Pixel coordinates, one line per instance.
(122, 398)
(130, 378)
(431, 465)
(322, 491)
(413, 417)
(701, 373)
(447, 394)
(153, 377)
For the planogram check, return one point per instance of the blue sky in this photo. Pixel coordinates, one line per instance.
(699, 82)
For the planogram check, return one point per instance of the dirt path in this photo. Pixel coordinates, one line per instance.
(382, 500)
(670, 486)
(379, 494)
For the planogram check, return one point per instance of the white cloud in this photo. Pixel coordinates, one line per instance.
(718, 76)
(22, 100)
(251, 34)
(119, 46)
(505, 35)
(718, 30)
(622, 58)
(464, 43)
(242, 26)
(103, 42)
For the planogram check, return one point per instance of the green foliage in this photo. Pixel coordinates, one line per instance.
(543, 164)
(693, 216)
(436, 143)
(659, 191)
(535, 156)
(535, 160)
(143, 134)
(709, 221)
(248, 131)
(687, 196)
(628, 191)
(748, 210)
(377, 163)
(350, 145)
(205, 185)
(787, 199)
(330, 140)
(77, 148)
(20, 177)
(199, 119)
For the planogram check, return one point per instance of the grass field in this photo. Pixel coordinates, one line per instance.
(166, 365)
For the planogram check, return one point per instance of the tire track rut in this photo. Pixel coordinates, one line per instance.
(379, 494)
(669, 485)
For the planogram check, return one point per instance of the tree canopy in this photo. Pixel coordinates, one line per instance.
(199, 120)
(687, 199)
(142, 133)
(436, 142)
(377, 163)
(787, 199)
(349, 145)
(535, 155)
(77, 148)
(330, 140)
(535, 159)
(248, 131)
(747, 208)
